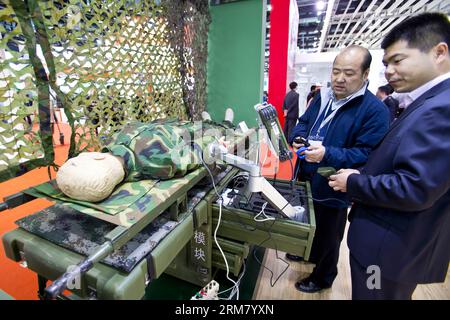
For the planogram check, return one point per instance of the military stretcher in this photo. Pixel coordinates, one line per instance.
(168, 228)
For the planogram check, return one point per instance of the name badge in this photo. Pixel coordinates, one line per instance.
(315, 140)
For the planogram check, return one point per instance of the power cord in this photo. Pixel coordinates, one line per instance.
(266, 218)
(251, 228)
(292, 169)
(294, 178)
(238, 282)
(235, 288)
(220, 199)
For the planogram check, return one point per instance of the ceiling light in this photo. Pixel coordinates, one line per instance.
(320, 5)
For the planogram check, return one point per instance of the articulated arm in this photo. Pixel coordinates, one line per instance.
(256, 182)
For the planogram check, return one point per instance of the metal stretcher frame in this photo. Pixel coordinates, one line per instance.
(121, 234)
(49, 260)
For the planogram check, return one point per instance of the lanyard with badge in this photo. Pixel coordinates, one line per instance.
(317, 138)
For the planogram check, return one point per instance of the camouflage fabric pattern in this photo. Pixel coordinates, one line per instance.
(128, 194)
(84, 234)
(148, 196)
(161, 149)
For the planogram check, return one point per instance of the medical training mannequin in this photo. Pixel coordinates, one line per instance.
(156, 150)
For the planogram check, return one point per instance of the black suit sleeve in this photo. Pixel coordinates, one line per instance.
(305, 121)
(421, 167)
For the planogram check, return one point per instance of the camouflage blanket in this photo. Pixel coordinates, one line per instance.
(161, 149)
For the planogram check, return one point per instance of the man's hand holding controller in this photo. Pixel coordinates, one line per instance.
(300, 144)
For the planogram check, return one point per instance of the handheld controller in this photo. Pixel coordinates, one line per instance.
(326, 172)
(306, 144)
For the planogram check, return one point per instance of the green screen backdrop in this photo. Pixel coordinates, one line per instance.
(236, 59)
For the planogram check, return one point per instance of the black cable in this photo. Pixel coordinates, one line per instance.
(318, 200)
(236, 178)
(239, 175)
(326, 199)
(272, 283)
(243, 224)
(297, 170)
(199, 150)
(285, 206)
(292, 169)
(235, 187)
(292, 180)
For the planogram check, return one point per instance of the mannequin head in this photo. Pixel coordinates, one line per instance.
(91, 176)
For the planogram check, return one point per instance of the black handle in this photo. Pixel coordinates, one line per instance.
(3, 206)
(58, 286)
(301, 140)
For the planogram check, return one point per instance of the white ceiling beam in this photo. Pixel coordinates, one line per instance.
(382, 15)
(370, 36)
(366, 13)
(348, 24)
(369, 21)
(391, 23)
(445, 6)
(402, 14)
(326, 24)
(340, 21)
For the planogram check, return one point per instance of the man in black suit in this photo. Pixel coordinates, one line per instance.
(290, 109)
(399, 234)
(311, 94)
(384, 94)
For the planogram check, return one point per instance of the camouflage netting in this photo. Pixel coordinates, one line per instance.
(23, 93)
(108, 62)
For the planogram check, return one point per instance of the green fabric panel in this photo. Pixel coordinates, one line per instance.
(235, 59)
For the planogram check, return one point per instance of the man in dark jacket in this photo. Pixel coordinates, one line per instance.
(399, 233)
(384, 94)
(290, 108)
(342, 125)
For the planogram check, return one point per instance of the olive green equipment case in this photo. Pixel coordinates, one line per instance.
(174, 255)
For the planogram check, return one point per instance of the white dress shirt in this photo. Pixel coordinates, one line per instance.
(413, 95)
